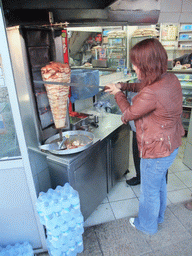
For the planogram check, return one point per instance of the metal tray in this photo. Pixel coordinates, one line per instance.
(83, 136)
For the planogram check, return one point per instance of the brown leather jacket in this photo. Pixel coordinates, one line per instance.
(156, 110)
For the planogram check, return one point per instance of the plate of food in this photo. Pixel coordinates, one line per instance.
(76, 141)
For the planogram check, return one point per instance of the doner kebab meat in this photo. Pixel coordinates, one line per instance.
(57, 94)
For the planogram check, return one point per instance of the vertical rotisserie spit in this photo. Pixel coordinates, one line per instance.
(57, 94)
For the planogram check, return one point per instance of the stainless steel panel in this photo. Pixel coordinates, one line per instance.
(91, 180)
(86, 173)
(23, 86)
(119, 153)
(189, 135)
(187, 159)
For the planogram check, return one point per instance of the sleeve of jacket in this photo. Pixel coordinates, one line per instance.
(133, 87)
(144, 103)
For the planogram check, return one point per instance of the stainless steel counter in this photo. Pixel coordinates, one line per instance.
(94, 171)
(115, 77)
(108, 123)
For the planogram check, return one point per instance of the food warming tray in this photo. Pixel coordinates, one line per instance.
(82, 136)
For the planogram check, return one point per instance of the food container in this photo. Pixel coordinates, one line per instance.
(82, 138)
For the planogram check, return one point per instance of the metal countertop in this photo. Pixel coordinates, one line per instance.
(108, 123)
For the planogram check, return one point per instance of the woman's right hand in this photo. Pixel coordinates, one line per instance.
(112, 88)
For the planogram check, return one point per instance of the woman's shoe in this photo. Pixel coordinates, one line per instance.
(131, 221)
(189, 206)
(133, 181)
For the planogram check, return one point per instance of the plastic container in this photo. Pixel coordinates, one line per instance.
(186, 27)
(59, 211)
(84, 78)
(19, 249)
(184, 37)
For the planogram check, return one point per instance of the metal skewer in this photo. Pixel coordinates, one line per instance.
(68, 84)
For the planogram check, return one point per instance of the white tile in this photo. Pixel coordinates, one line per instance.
(136, 190)
(102, 214)
(185, 177)
(178, 166)
(120, 191)
(168, 201)
(179, 195)
(168, 17)
(125, 208)
(185, 17)
(168, 6)
(174, 183)
(105, 200)
(187, 6)
(123, 179)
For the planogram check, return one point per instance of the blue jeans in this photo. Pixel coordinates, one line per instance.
(153, 197)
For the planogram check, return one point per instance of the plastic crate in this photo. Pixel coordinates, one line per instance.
(87, 84)
(186, 27)
(184, 37)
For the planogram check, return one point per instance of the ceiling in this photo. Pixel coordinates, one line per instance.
(100, 12)
(82, 12)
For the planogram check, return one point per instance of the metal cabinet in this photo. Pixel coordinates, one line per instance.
(187, 160)
(186, 84)
(91, 180)
(86, 173)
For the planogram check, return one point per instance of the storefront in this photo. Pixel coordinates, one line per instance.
(24, 169)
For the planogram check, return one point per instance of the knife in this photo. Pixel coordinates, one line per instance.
(68, 84)
(54, 145)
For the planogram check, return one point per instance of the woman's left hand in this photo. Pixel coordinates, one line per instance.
(112, 89)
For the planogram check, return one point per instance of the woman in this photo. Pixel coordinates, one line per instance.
(185, 61)
(156, 110)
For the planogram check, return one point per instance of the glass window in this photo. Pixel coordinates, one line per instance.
(8, 138)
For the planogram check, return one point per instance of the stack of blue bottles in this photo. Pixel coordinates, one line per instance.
(59, 211)
(19, 249)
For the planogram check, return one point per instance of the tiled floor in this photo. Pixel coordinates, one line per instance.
(123, 200)
(107, 232)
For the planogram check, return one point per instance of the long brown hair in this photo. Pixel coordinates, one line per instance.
(150, 57)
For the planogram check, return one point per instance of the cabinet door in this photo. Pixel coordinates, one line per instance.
(119, 153)
(189, 136)
(187, 160)
(91, 179)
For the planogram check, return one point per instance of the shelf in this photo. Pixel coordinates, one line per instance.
(185, 31)
(185, 49)
(184, 40)
(187, 106)
(166, 40)
(177, 48)
(170, 48)
(116, 58)
(120, 47)
(116, 38)
(143, 36)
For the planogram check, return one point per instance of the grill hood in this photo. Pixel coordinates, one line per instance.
(82, 12)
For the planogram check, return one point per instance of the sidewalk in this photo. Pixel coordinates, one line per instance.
(119, 238)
